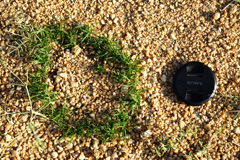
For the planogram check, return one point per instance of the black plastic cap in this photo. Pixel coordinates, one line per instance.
(194, 83)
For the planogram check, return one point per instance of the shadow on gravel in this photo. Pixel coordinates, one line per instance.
(169, 70)
(238, 154)
(208, 15)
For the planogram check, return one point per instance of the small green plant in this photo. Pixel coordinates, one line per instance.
(30, 124)
(233, 101)
(100, 69)
(201, 152)
(173, 143)
(167, 145)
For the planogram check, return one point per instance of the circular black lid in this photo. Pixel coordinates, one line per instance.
(194, 83)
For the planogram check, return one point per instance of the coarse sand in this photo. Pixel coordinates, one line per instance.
(164, 34)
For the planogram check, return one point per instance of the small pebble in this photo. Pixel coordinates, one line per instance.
(181, 28)
(19, 88)
(24, 118)
(54, 155)
(172, 7)
(145, 74)
(170, 52)
(60, 149)
(216, 16)
(115, 20)
(76, 50)
(128, 36)
(124, 89)
(69, 146)
(161, 6)
(64, 75)
(164, 78)
(82, 156)
(147, 133)
(173, 36)
(15, 153)
(233, 9)
(92, 115)
(8, 138)
(237, 130)
(199, 28)
(109, 152)
(8, 127)
(182, 124)
(163, 47)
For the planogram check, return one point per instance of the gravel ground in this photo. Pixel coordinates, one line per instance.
(165, 34)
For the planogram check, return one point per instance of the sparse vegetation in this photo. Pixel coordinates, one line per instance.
(174, 142)
(234, 102)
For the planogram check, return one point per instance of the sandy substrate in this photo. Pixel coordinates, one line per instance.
(165, 34)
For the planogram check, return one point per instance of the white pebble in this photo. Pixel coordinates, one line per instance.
(237, 130)
(115, 20)
(75, 84)
(216, 16)
(82, 157)
(147, 133)
(102, 22)
(173, 36)
(96, 143)
(159, 69)
(144, 74)
(19, 88)
(54, 155)
(172, 7)
(199, 28)
(76, 50)
(64, 75)
(24, 118)
(163, 47)
(60, 149)
(164, 78)
(181, 28)
(8, 138)
(69, 146)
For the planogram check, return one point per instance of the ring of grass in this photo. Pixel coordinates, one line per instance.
(35, 44)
